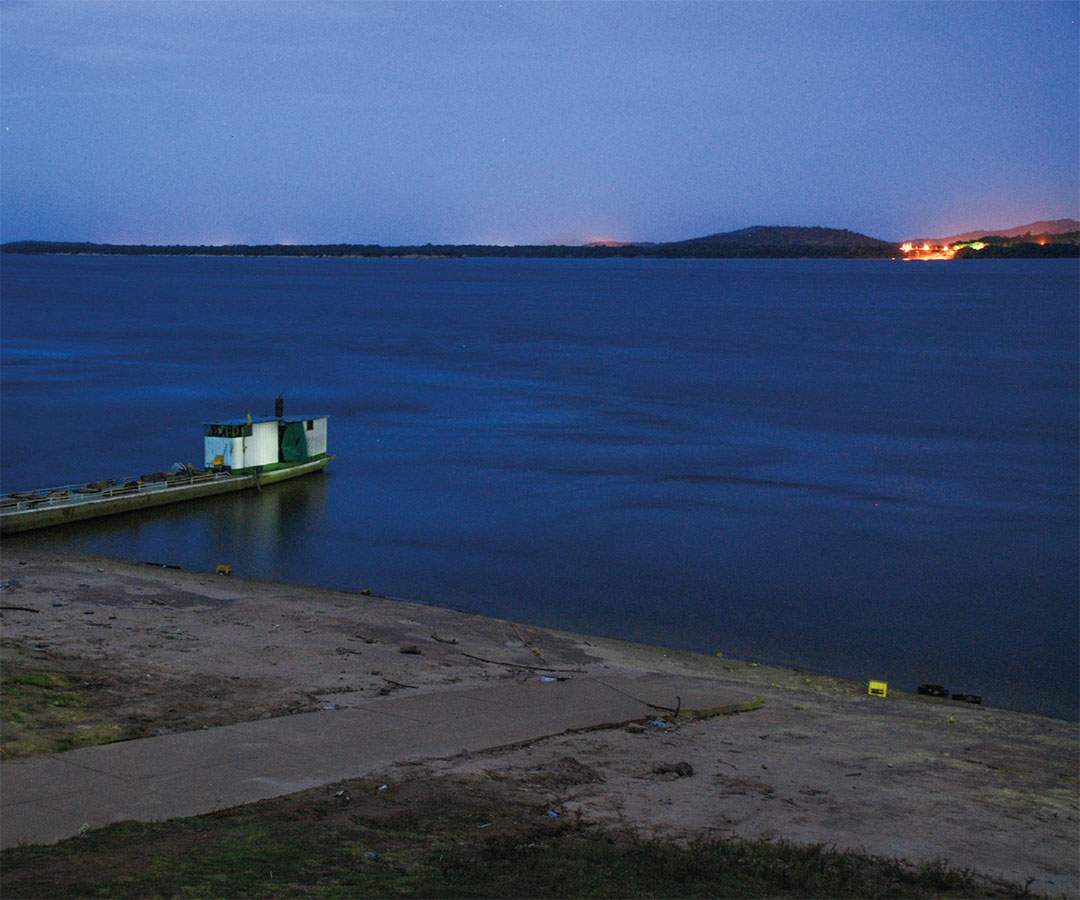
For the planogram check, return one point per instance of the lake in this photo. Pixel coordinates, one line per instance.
(865, 468)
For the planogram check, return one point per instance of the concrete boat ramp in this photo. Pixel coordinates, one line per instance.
(48, 798)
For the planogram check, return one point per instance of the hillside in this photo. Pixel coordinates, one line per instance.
(762, 241)
(788, 236)
(1035, 229)
(1064, 245)
(784, 241)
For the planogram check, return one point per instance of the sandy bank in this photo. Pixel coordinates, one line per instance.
(821, 761)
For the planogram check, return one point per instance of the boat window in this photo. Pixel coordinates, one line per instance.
(310, 424)
(228, 431)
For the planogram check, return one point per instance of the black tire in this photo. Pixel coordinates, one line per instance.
(933, 690)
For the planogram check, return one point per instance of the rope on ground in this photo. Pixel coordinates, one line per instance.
(528, 643)
(667, 709)
(706, 713)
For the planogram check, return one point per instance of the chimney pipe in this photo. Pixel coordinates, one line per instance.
(279, 407)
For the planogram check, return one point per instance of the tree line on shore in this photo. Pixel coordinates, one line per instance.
(766, 243)
(684, 250)
(1065, 245)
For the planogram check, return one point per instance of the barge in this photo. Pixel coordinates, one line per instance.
(238, 454)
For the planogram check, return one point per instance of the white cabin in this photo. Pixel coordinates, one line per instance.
(247, 443)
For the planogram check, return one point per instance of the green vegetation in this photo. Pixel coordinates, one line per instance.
(444, 838)
(45, 710)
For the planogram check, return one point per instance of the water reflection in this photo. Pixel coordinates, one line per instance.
(267, 520)
(254, 527)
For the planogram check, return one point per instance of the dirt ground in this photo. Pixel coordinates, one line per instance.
(157, 650)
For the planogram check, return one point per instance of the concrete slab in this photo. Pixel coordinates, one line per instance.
(48, 798)
(147, 800)
(570, 705)
(30, 780)
(171, 752)
(267, 786)
(437, 707)
(189, 793)
(399, 701)
(315, 728)
(36, 823)
(332, 759)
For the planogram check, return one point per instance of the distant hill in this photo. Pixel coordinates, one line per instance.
(1065, 245)
(764, 241)
(780, 240)
(1035, 229)
(758, 242)
(788, 236)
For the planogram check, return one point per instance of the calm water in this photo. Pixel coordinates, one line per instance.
(866, 468)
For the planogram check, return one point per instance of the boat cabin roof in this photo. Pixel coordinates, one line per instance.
(258, 419)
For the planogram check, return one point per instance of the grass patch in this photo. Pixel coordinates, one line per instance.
(455, 838)
(599, 865)
(46, 710)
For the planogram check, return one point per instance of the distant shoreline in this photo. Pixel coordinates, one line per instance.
(203, 255)
(698, 249)
(451, 251)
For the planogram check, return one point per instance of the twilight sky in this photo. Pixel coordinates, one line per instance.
(516, 122)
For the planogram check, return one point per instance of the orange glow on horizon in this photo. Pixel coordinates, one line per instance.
(605, 242)
(926, 251)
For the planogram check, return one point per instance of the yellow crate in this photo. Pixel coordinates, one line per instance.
(224, 570)
(879, 688)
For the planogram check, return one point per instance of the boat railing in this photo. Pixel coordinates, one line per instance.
(72, 494)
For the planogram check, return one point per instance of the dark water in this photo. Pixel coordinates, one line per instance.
(866, 468)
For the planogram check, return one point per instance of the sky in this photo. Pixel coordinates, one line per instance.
(516, 122)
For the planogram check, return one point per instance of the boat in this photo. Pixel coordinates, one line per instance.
(238, 454)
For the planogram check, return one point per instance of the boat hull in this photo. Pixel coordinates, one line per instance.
(61, 513)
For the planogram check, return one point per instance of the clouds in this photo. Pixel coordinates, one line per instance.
(398, 123)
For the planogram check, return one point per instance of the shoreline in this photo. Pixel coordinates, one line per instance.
(627, 652)
(821, 761)
(450, 256)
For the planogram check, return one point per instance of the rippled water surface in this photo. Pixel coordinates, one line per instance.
(862, 467)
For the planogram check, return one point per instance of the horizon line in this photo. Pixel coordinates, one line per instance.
(598, 242)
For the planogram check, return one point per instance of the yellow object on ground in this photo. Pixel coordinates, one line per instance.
(879, 688)
(224, 570)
